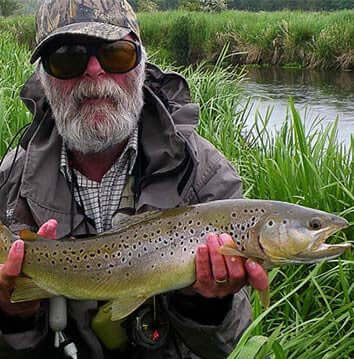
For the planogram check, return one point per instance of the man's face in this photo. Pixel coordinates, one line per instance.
(96, 110)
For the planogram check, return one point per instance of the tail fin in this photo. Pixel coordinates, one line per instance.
(6, 240)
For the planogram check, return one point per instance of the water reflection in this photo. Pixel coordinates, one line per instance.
(325, 94)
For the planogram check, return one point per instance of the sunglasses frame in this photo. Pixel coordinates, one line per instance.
(92, 50)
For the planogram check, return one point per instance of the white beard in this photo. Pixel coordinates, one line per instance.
(92, 128)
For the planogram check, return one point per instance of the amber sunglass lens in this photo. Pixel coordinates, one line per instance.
(118, 57)
(68, 61)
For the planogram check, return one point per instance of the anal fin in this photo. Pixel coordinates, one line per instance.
(27, 235)
(26, 290)
(121, 308)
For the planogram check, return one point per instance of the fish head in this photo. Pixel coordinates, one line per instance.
(296, 234)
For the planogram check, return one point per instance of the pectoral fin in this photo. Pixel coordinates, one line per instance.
(26, 290)
(122, 307)
(228, 250)
(264, 297)
(27, 235)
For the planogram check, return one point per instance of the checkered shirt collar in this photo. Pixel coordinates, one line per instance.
(131, 150)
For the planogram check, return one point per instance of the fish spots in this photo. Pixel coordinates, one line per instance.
(270, 223)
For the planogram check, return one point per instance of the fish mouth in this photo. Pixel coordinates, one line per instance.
(319, 250)
(321, 235)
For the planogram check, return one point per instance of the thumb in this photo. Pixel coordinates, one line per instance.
(49, 229)
(13, 264)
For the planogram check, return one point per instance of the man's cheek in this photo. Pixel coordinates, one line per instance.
(63, 87)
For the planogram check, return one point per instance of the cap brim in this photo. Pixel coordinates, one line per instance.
(95, 30)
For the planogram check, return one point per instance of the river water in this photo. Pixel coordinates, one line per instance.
(325, 94)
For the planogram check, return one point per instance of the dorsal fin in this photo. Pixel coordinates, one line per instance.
(129, 221)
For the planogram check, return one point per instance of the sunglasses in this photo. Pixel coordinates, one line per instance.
(70, 60)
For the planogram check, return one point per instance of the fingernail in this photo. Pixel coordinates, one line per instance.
(226, 238)
(19, 246)
(251, 264)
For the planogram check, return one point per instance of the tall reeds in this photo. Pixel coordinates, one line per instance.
(305, 39)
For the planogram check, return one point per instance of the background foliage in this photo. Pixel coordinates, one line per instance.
(28, 6)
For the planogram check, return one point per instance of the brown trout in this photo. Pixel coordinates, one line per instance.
(154, 252)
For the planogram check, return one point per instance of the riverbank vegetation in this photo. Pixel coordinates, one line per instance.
(312, 307)
(26, 7)
(309, 40)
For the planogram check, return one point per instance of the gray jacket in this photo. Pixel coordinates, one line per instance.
(172, 160)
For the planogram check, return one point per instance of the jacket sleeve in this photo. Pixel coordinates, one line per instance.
(220, 324)
(211, 328)
(215, 178)
(19, 337)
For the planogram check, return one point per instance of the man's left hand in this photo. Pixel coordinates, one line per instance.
(219, 276)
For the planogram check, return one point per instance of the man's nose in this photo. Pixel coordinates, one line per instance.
(93, 69)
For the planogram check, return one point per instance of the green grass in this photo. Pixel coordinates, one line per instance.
(311, 313)
(14, 71)
(308, 39)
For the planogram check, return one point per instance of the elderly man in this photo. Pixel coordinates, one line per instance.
(113, 136)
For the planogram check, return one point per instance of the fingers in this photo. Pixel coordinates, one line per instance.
(218, 265)
(203, 270)
(212, 269)
(234, 264)
(8, 272)
(13, 264)
(257, 276)
(49, 229)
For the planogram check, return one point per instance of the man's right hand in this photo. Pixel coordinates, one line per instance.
(8, 273)
(12, 269)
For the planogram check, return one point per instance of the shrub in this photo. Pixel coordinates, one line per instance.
(147, 6)
(213, 5)
(8, 7)
(190, 5)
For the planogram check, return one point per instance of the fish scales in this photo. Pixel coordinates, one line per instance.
(154, 252)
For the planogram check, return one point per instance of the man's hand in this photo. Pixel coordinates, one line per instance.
(219, 276)
(12, 269)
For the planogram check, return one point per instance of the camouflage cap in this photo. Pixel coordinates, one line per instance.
(101, 19)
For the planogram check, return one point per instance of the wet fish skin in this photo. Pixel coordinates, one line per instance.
(154, 252)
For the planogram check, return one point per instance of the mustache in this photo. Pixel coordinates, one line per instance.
(106, 89)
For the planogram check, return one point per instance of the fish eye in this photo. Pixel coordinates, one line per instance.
(315, 224)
